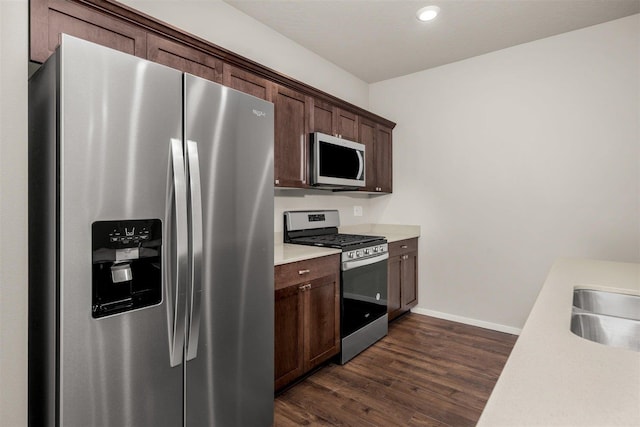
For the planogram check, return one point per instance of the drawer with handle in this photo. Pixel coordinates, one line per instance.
(304, 271)
(403, 247)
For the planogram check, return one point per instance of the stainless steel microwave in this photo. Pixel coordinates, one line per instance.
(336, 163)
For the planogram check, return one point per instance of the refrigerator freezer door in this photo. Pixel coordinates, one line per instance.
(230, 381)
(118, 114)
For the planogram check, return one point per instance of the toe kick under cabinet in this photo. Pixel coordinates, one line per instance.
(307, 316)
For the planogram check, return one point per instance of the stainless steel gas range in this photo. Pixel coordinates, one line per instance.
(363, 275)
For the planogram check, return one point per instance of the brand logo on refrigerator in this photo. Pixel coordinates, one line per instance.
(259, 113)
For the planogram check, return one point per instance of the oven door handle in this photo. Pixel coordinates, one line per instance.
(350, 265)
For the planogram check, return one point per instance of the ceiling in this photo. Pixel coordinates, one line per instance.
(380, 39)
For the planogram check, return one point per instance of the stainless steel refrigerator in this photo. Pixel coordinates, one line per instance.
(151, 246)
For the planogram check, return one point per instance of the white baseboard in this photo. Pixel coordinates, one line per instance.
(468, 321)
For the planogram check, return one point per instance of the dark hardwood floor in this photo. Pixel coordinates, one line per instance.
(426, 372)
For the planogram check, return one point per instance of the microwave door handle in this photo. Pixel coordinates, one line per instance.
(360, 166)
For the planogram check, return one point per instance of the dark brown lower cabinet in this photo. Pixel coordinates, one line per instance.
(402, 274)
(307, 316)
(289, 325)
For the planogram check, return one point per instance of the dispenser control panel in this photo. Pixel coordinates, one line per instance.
(126, 236)
(127, 265)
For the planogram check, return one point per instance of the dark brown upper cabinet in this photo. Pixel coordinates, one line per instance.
(184, 58)
(299, 108)
(291, 144)
(367, 136)
(377, 140)
(346, 125)
(331, 120)
(323, 117)
(246, 82)
(50, 18)
(383, 157)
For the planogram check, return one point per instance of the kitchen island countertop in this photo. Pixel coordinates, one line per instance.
(555, 378)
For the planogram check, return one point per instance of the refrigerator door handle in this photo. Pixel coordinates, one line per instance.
(196, 231)
(177, 313)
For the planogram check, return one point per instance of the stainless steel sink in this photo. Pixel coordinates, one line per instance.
(607, 330)
(607, 303)
(607, 318)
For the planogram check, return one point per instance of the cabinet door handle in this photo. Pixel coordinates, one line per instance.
(302, 157)
(301, 272)
(305, 287)
(404, 247)
(405, 256)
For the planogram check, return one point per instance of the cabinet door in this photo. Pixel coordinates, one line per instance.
(366, 136)
(289, 335)
(402, 285)
(50, 18)
(323, 118)
(290, 149)
(394, 281)
(383, 160)
(409, 280)
(246, 82)
(347, 125)
(322, 320)
(184, 58)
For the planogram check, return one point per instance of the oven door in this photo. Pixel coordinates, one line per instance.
(363, 291)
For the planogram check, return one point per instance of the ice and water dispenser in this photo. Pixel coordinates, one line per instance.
(127, 269)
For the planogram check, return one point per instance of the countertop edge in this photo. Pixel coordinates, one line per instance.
(555, 378)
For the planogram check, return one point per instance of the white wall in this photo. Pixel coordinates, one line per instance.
(322, 199)
(13, 212)
(511, 159)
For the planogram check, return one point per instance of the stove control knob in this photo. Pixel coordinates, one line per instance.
(359, 254)
(350, 254)
(367, 251)
(381, 248)
(376, 249)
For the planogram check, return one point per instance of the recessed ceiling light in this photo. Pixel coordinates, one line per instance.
(427, 13)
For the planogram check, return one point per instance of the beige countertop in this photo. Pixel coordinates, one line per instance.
(555, 378)
(285, 253)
